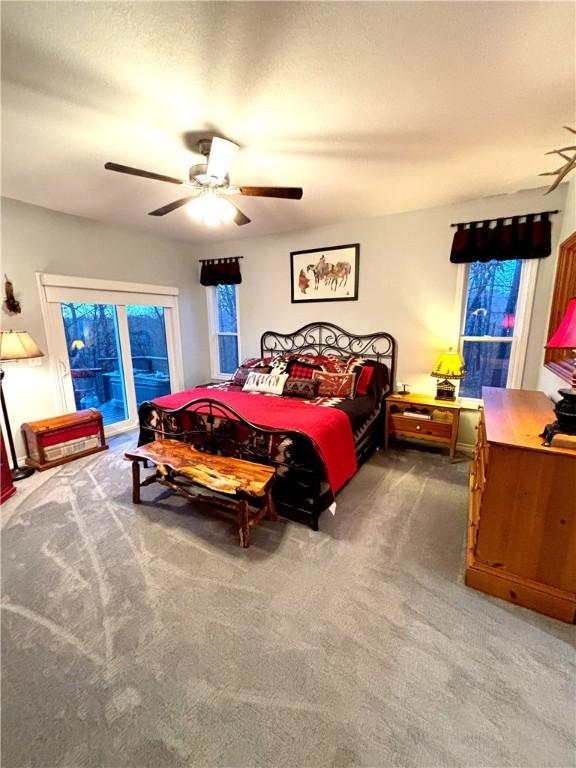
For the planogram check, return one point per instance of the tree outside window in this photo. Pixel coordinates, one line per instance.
(489, 324)
(226, 323)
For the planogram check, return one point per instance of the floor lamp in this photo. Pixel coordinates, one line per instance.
(14, 346)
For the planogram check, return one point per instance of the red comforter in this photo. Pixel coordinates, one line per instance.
(329, 428)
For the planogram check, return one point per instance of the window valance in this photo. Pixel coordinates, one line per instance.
(221, 271)
(524, 237)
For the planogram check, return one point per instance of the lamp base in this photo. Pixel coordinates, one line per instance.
(21, 473)
(445, 390)
(565, 410)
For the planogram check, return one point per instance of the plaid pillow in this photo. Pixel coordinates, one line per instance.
(299, 370)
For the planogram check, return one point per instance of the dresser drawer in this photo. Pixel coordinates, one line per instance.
(408, 425)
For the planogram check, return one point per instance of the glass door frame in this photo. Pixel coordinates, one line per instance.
(57, 289)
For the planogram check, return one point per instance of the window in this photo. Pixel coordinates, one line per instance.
(498, 302)
(224, 349)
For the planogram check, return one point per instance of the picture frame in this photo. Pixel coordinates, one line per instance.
(325, 274)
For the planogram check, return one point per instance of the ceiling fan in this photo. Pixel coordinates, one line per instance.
(209, 186)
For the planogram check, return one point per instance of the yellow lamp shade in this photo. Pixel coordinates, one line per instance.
(77, 344)
(18, 345)
(449, 365)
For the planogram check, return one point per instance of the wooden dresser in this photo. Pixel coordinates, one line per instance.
(522, 515)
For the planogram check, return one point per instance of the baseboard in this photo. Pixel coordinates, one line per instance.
(465, 448)
(515, 589)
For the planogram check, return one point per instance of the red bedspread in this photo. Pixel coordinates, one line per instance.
(329, 428)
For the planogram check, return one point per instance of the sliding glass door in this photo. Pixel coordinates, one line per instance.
(95, 360)
(149, 351)
(112, 352)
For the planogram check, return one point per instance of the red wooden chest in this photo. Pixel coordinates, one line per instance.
(50, 442)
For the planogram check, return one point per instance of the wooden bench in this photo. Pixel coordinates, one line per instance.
(179, 466)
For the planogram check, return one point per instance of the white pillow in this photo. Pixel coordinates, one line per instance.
(266, 383)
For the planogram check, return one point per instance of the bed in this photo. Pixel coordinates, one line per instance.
(316, 445)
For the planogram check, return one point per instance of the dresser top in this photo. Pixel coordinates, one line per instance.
(517, 417)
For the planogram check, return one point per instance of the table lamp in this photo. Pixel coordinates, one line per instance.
(448, 366)
(565, 408)
(15, 345)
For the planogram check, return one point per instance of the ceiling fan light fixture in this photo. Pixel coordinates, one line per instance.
(211, 210)
(222, 152)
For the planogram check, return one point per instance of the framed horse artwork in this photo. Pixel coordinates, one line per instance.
(325, 274)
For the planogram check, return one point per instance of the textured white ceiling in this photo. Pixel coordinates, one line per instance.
(372, 108)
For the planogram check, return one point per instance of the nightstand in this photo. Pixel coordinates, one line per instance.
(422, 417)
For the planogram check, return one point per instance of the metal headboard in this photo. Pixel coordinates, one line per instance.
(326, 338)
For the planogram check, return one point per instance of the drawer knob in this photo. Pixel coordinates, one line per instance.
(418, 427)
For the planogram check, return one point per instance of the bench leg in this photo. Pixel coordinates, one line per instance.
(136, 482)
(243, 527)
(271, 511)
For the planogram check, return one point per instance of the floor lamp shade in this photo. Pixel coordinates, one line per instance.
(15, 345)
(18, 345)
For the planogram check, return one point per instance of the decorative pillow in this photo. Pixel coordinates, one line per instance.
(335, 384)
(329, 363)
(306, 388)
(278, 364)
(242, 373)
(300, 370)
(266, 383)
(317, 361)
(364, 379)
(342, 364)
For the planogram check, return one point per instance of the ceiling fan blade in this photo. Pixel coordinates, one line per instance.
(222, 152)
(292, 193)
(240, 219)
(170, 207)
(139, 172)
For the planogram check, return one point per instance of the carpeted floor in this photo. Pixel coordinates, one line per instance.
(144, 636)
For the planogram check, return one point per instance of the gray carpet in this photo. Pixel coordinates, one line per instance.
(144, 636)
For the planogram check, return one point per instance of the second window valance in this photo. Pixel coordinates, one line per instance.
(494, 240)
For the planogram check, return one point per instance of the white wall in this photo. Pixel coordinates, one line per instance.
(547, 381)
(407, 283)
(38, 240)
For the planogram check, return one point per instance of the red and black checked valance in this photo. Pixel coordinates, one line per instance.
(221, 271)
(524, 237)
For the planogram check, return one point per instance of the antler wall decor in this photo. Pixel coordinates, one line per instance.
(11, 304)
(568, 166)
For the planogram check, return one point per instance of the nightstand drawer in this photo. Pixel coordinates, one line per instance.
(420, 426)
